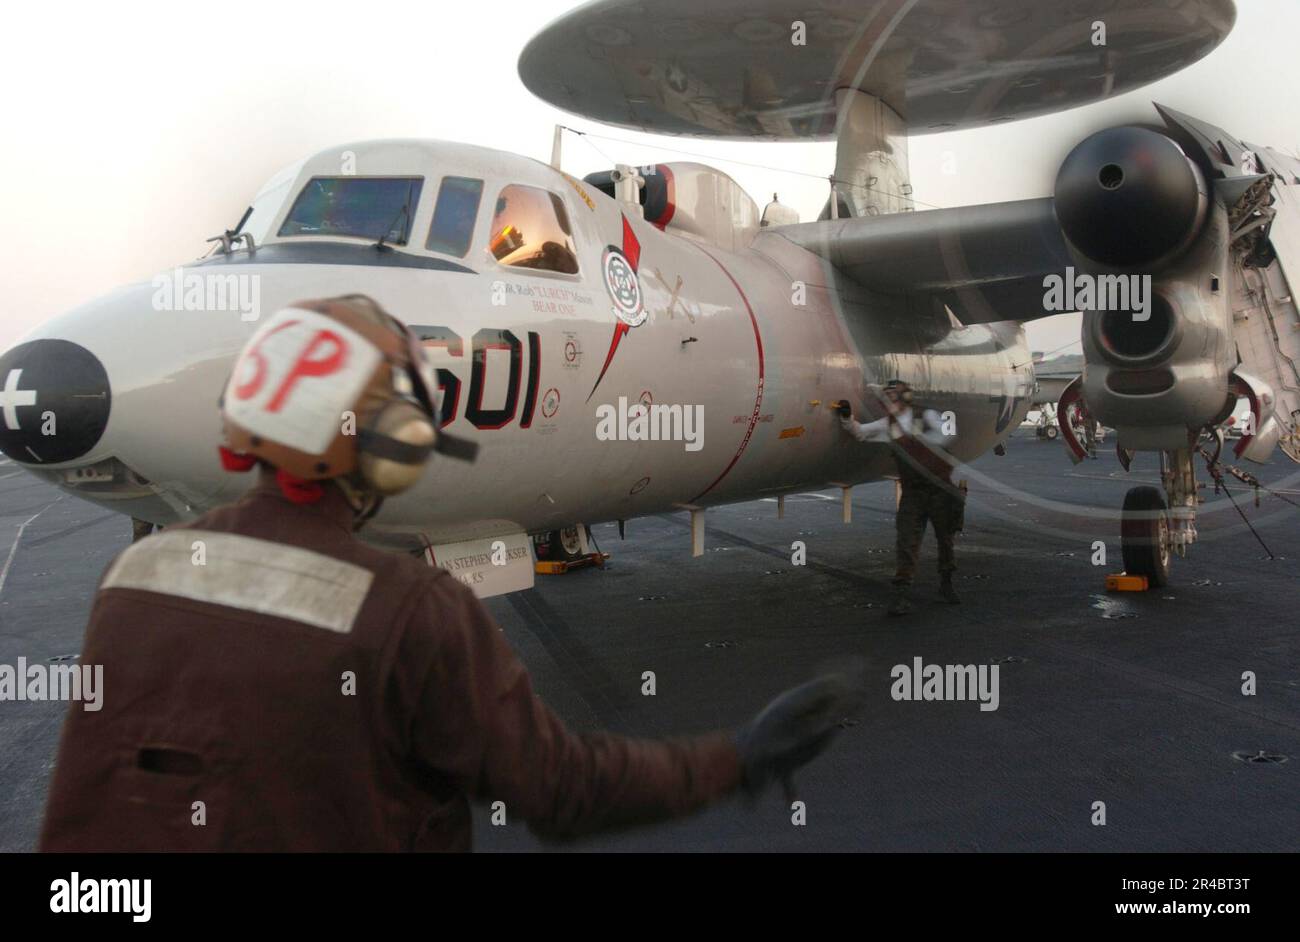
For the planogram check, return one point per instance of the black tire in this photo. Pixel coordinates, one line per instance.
(559, 545)
(1144, 535)
(1051, 432)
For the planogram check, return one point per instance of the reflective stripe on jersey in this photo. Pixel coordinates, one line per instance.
(245, 573)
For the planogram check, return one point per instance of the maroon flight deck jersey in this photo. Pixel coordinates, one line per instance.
(271, 683)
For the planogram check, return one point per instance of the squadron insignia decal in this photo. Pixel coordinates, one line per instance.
(624, 287)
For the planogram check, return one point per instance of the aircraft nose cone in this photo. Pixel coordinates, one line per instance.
(54, 401)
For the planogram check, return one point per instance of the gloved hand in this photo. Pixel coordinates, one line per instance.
(843, 409)
(794, 728)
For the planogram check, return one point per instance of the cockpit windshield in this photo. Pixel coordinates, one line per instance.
(361, 207)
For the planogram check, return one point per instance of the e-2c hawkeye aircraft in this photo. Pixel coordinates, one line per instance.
(551, 303)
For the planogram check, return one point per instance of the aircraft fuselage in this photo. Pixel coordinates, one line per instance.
(754, 340)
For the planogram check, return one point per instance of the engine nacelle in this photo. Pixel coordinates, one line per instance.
(1129, 198)
(1137, 214)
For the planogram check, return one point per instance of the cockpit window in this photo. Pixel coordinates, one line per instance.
(530, 229)
(453, 216)
(268, 203)
(361, 207)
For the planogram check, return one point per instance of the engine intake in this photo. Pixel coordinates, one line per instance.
(1128, 340)
(1129, 198)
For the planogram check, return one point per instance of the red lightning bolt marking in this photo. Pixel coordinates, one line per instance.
(620, 331)
(631, 247)
(632, 252)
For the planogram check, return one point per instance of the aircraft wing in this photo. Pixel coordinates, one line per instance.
(987, 263)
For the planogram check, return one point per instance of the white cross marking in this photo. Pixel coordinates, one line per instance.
(12, 397)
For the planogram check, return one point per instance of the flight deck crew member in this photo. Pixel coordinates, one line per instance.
(273, 683)
(928, 493)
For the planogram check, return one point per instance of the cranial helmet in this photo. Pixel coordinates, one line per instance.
(901, 390)
(334, 389)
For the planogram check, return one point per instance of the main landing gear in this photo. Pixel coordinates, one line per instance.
(1159, 523)
(1144, 535)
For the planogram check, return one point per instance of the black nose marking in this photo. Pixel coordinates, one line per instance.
(54, 401)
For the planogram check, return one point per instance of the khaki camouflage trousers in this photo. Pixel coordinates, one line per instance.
(925, 501)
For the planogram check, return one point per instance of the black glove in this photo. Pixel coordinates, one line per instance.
(795, 727)
(844, 410)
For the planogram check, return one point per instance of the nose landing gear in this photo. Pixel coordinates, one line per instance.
(565, 545)
(569, 548)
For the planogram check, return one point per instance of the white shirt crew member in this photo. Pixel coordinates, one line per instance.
(884, 430)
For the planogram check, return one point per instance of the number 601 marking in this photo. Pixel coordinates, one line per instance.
(488, 338)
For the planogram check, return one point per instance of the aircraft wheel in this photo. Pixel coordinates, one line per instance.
(559, 545)
(1144, 535)
(1051, 432)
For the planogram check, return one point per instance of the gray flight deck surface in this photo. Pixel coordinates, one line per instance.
(1143, 712)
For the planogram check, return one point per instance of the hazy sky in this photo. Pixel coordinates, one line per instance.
(136, 130)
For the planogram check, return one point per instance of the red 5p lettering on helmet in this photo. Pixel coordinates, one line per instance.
(335, 388)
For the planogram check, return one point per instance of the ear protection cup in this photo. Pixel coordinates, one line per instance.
(901, 390)
(396, 400)
(393, 447)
